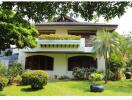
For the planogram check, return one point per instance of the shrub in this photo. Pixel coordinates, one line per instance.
(96, 76)
(59, 37)
(78, 73)
(82, 73)
(15, 69)
(3, 82)
(26, 77)
(116, 70)
(117, 74)
(2, 69)
(16, 79)
(37, 79)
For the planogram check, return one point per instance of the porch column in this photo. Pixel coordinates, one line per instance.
(22, 59)
(60, 65)
(100, 63)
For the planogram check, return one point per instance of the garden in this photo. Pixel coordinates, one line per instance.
(114, 80)
(115, 48)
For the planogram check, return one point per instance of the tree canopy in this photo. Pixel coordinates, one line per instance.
(15, 27)
(15, 31)
(40, 11)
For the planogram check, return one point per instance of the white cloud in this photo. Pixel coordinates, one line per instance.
(124, 22)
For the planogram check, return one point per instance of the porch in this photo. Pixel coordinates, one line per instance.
(60, 64)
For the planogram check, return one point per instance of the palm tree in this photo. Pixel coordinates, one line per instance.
(125, 47)
(104, 44)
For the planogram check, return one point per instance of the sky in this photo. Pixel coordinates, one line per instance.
(124, 22)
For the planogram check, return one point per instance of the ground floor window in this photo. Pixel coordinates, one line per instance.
(81, 61)
(39, 62)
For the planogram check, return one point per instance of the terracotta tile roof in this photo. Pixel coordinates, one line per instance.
(74, 24)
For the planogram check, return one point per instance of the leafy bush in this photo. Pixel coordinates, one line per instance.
(116, 70)
(82, 73)
(3, 82)
(16, 79)
(117, 74)
(37, 79)
(59, 37)
(15, 69)
(96, 76)
(2, 69)
(26, 77)
(78, 73)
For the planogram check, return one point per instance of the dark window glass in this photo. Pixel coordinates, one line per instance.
(81, 61)
(39, 62)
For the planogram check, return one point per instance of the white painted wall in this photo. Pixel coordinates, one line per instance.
(60, 60)
(64, 29)
(60, 67)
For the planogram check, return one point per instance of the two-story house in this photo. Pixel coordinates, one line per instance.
(59, 57)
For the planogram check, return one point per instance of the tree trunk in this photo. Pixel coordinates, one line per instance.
(106, 69)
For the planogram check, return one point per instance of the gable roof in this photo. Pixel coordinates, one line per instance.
(68, 21)
(64, 19)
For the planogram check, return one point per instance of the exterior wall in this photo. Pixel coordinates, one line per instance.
(60, 67)
(64, 29)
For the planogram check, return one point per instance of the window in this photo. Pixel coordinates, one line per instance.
(87, 34)
(81, 61)
(47, 32)
(39, 62)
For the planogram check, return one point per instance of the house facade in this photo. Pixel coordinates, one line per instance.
(59, 57)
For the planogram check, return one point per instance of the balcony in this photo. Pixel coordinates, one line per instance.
(59, 41)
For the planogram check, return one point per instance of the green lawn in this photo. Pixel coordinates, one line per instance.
(71, 88)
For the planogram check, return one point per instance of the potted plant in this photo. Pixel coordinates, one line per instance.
(128, 73)
(95, 87)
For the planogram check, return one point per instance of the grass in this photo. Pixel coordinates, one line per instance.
(71, 88)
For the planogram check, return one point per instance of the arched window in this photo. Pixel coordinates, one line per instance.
(39, 62)
(81, 61)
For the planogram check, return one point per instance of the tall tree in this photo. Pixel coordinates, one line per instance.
(41, 11)
(15, 30)
(104, 44)
(125, 46)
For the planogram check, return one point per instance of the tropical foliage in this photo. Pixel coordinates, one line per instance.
(104, 45)
(3, 82)
(82, 73)
(42, 11)
(96, 76)
(15, 30)
(3, 69)
(59, 37)
(116, 50)
(15, 69)
(37, 79)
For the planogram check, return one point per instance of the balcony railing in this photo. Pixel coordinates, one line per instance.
(59, 43)
(64, 43)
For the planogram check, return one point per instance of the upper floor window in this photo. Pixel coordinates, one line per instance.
(87, 34)
(47, 32)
